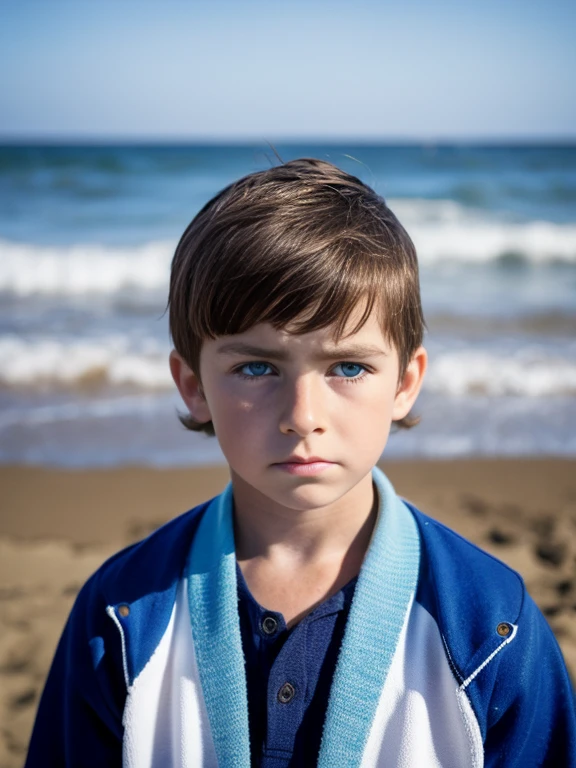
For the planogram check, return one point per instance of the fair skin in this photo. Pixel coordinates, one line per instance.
(278, 400)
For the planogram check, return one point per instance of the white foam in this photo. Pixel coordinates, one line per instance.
(539, 242)
(79, 269)
(530, 373)
(445, 230)
(414, 210)
(110, 361)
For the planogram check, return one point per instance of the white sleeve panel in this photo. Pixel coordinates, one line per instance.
(422, 718)
(165, 718)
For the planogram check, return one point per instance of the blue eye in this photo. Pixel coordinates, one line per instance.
(255, 369)
(350, 370)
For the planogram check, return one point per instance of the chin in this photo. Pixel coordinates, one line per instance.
(308, 496)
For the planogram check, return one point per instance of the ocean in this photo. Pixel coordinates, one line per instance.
(87, 234)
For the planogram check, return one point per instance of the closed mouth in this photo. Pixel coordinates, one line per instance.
(301, 460)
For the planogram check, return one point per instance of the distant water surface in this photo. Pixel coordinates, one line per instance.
(86, 239)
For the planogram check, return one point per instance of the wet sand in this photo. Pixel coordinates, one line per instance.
(56, 527)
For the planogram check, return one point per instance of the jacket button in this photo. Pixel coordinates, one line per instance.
(286, 693)
(124, 610)
(503, 629)
(269, 625)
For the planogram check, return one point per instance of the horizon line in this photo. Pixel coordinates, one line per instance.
(204, 140)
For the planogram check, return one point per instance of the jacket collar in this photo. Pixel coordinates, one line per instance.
(383, 596)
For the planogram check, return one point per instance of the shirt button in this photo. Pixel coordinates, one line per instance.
(286, 693)
(269, 625)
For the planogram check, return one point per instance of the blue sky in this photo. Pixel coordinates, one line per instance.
(185, 70)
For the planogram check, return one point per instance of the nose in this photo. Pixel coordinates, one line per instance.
(303, 406)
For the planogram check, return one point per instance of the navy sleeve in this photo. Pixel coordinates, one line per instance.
(79, 718)
(532, 716)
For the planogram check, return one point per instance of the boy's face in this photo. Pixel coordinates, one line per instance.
(301, 419)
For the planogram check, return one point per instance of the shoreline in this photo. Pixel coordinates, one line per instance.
(58, 525)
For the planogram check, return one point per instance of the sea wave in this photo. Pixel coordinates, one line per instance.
(441, 230)
(89, 365)
(530, 373)
(83, 269)
(444, 230)
(537, 242)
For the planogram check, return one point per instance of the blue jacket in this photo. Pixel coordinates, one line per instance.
(445, 661)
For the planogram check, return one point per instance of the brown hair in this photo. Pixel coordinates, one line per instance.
(300, 243)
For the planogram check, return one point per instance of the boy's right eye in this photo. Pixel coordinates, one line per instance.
(254, 370)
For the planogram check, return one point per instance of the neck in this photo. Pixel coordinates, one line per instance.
(266, 530)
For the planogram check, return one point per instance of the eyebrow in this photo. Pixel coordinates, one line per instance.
(349, 352)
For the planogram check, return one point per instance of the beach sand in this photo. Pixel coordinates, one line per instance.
(56, 527)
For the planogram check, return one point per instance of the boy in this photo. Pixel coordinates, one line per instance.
(307, 615)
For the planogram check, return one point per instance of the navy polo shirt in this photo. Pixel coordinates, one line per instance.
(288, 675)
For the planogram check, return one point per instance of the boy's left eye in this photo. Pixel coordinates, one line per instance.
(350, 370)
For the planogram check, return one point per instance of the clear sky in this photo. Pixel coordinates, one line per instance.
(249, 69)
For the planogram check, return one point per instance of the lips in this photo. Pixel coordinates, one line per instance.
(304, 460)
(304, 466)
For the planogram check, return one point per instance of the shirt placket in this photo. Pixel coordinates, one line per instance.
(288, 689)
(286, 698)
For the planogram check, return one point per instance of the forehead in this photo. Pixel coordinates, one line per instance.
(368, 340)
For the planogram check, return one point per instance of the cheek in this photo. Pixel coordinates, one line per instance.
(369, 402)
(364, 421)
(366, 424)
(238, 416)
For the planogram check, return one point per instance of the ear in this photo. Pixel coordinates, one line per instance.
(410, 385)
(190, 388)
